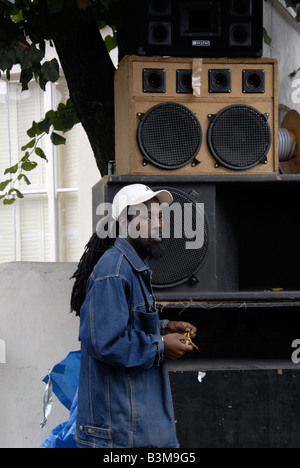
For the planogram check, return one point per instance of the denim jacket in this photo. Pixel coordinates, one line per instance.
(124, 395)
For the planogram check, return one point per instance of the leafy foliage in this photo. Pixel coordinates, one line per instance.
(24, 31)
(63, 119)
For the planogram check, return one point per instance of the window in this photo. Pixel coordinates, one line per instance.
(44, 225)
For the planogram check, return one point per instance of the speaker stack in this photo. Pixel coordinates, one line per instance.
(196, 112)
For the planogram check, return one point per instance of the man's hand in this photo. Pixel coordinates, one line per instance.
(181, 327)
(174, 348)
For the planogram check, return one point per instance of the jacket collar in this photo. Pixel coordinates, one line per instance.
(131, 255)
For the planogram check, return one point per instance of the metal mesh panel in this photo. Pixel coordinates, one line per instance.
(178, 263)
(239, 137)
(169, 136)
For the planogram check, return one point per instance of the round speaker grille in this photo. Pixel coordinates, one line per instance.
(179, 263)
(239, 137)
(169, 136)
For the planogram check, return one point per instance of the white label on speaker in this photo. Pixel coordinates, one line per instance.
(200, 43)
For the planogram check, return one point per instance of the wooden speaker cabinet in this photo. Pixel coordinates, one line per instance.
(163, 128)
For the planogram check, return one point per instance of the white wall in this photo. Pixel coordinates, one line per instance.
(39, 332)
(88, 176)
(285, 47)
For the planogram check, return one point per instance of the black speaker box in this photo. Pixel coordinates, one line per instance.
(237, 408)
(247, 249)
(192, 28)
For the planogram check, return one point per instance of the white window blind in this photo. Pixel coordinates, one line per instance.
(44, 225)
(6, 216)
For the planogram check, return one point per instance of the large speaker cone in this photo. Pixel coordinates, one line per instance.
(169, 136)
(179, 263)
(239, 137)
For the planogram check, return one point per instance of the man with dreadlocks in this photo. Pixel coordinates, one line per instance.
(124, 396)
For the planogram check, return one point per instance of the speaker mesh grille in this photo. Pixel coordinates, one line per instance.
(169, 136)
(239, 137)
(178, 263)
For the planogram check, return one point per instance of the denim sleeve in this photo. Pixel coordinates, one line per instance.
(107, 332)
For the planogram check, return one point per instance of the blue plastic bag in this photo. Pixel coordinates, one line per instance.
(63, 434)
(64, 378)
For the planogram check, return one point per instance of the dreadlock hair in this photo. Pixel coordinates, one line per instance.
(94, 250)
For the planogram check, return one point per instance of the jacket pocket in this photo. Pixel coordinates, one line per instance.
(93, 436)
(145, 320)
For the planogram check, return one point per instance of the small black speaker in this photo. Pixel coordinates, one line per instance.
(219, 81)
(154, 80)
(253, 81)
(193, 28)
(184, 82)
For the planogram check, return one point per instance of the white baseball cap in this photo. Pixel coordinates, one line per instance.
(134, 195)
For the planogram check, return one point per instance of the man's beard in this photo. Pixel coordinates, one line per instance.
(152, 250)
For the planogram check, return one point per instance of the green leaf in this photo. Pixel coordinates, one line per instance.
(25, 77)
(110, 42)
(35, 54)
(50, 114)
(50, 70)
(41, 153)
(267, 38)
(6, 61)
(43, 126)
(57, 139)
(32, 131)
(294, 73)
(23, 57)
(11, 170)
(9, 201)
(25, 157)
(4, 184)
(28, 165)
(30, 144)
(16, 191)
(23, 176)
(17, 16)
